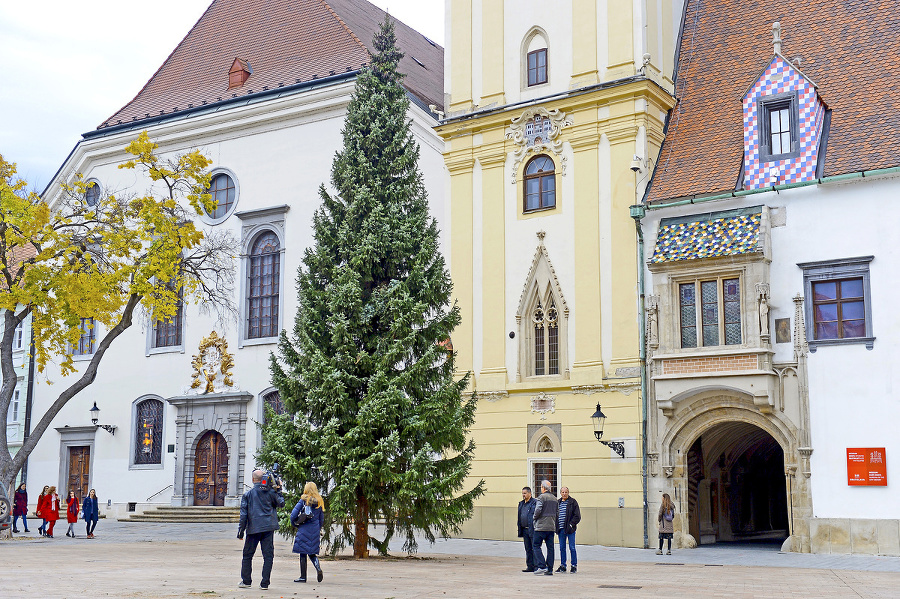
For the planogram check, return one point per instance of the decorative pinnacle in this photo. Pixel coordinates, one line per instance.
(541, 235)
(776, 36)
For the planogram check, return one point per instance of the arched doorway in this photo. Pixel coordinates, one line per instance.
(737, 490)
(211, 470)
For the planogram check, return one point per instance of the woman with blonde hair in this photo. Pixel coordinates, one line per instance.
(665, 518)
(50, 511)
(308, 516)
(39, 510)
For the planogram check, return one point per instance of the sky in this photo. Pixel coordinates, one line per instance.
(69, 65)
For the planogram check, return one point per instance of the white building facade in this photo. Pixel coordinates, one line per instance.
(271, 124)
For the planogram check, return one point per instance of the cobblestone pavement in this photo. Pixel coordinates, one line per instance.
(150, 560)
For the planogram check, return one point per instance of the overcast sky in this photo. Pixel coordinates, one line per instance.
(66, 66)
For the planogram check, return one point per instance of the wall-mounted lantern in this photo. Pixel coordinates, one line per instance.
(599, 419)
(95, 418)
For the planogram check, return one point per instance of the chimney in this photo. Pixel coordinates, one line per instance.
(239, 73)
(776, 36)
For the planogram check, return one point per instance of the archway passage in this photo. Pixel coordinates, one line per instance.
(736, 486)
(211, 470)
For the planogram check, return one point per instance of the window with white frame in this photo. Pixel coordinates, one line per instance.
(19, 337)
(13, 416)
(541, 471)
(710, 312)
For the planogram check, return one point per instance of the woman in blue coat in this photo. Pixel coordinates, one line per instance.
(90, 513)
(310, 511)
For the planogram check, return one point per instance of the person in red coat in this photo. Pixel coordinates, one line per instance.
(50, 510)
(39, 510)
(72, 513)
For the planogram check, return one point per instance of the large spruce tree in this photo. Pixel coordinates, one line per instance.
(374, 414)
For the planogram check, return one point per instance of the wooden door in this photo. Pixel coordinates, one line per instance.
(211, 470)
(79, 472)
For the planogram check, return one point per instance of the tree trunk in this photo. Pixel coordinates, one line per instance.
(361, 538)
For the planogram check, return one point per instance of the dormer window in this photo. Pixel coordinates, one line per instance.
(779, 127)
(537, 67)
(239, 72)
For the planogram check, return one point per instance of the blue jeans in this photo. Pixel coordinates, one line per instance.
(563, 537)
(542, 536)
(24, 521)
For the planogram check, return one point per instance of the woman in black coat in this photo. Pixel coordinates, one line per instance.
(308, 516)
(21, 508)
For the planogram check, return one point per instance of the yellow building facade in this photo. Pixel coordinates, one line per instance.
(551, 105)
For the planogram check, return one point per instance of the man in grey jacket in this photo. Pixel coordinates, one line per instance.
(259, 519)
(545, 514)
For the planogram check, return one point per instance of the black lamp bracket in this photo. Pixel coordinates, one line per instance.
(110, 428)
(616, 446)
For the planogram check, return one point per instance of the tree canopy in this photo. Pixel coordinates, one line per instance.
(101, 257)
(374, 414)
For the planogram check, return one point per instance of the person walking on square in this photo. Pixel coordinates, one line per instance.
(308, 516)
(90, 513)
(259, 519)
(50, 511)
(72, 509)
(526, 526)
(569, 517)
(39, 510)
(20, 508)
(546, 511)
(665, 518)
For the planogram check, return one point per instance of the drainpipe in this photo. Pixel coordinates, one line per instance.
(29, 400)
(637, 213)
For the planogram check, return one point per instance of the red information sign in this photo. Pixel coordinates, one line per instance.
(866, 466)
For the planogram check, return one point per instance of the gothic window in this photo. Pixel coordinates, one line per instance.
(540, 183)
(546, 339)
(273, 401)
(148, 432)
(85, 345)
(712, 317)
(265, 258)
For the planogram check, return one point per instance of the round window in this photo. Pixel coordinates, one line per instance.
(223, 194)
(92, 193)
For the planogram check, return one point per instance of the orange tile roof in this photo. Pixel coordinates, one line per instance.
(850, 49)
(284, 42)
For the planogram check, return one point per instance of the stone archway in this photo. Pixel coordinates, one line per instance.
(711, 434)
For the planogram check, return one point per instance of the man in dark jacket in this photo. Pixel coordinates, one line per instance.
(569, 517)
(545, 512)
(259, 519)
(526, 526)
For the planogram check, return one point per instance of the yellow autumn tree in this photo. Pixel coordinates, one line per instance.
(71, 260)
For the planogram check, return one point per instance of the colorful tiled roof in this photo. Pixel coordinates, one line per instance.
(285, 42)
(849, 49)
(709, 236)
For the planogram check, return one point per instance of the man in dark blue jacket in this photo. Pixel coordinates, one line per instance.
(259, 519)
(526, 526)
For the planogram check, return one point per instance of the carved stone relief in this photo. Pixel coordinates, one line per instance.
(537, 130)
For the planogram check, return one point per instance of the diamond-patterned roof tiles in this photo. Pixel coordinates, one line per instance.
(712, 236)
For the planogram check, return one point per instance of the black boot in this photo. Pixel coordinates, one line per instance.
(15, 530)
(302, 570)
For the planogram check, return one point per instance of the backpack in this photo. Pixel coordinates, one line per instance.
(669, 515)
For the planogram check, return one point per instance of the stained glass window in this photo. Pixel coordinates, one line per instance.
(719, 315)
(148, 432)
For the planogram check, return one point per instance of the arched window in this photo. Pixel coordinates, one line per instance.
(535, 64)
(272, 400)
(265, 258)
(223, 192)
(540, 184)
(148, 432)
(542, 321)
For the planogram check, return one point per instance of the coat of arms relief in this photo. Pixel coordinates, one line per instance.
(535, 131)
(212, 367)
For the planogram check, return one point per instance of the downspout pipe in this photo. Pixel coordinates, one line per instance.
(637, 213)
(29, 399)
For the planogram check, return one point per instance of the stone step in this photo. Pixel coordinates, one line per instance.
(187, 514)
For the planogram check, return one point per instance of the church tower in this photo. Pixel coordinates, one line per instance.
(556, 111)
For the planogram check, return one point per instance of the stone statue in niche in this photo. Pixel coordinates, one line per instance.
(653, 321)
(762, 291)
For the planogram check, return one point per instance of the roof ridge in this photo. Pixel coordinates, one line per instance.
(345, 26)
(156, 72)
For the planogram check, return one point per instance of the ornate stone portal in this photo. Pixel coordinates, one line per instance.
(212, 406)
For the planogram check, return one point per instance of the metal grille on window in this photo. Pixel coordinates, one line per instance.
(548, 471)
(688, 302)
(731, 300)
(148, 436)
(709, 311)
(273, 401)
(264, 276)
(538, 319)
